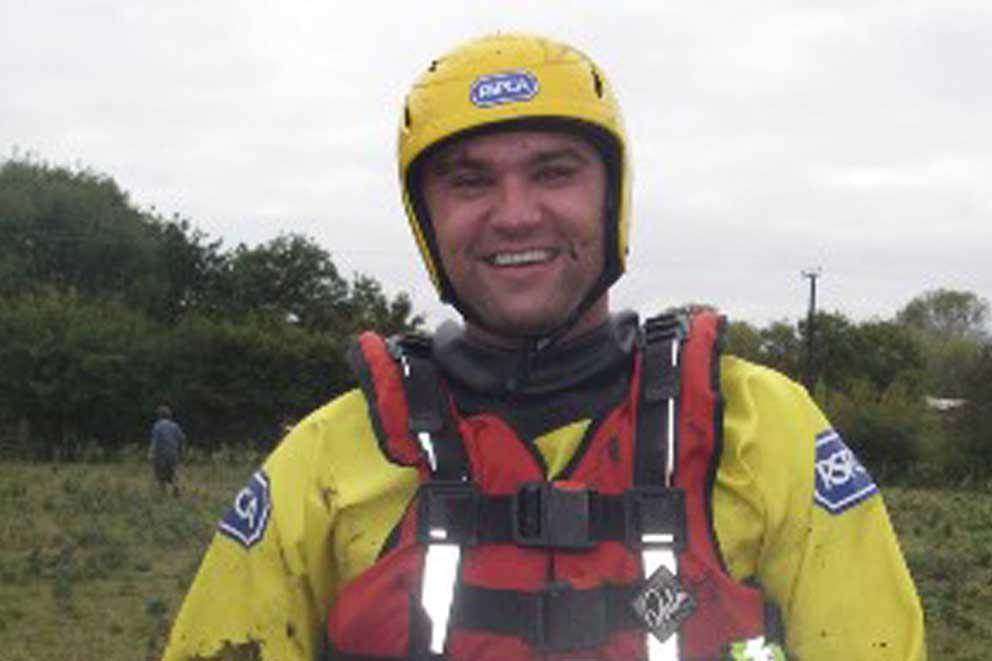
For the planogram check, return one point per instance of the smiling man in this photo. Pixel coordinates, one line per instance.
(548, 480)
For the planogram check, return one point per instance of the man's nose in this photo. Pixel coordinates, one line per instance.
(518, 209)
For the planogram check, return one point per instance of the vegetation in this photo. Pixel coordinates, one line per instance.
(95, 560)
(874, 378)
(107, 311)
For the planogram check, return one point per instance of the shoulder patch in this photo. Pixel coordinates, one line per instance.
(841, 481)
(248, 517)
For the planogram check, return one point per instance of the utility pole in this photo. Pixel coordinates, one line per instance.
(809, 374)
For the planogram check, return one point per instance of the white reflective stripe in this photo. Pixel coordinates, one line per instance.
(440, 574)
(670, 464)
(652, 559)
(428, 446)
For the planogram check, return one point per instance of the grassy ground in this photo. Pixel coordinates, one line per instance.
(94, 560)
(947, 540)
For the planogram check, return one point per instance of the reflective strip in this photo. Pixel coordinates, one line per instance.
(654, 558)
(428, 447)
(440, 574)
(670, 464)
(658, 557)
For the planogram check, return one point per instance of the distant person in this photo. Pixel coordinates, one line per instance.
(549, 479)
(167, 441)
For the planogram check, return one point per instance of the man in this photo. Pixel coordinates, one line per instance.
(550, 481)
(167, 440)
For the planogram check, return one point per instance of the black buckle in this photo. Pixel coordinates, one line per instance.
(665, 327)
(552, 515)
(569, 619)
(448, 513)
(655, 518)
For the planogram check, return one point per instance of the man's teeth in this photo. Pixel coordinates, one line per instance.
(515, 258)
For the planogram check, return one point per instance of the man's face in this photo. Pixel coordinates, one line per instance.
(519, 222)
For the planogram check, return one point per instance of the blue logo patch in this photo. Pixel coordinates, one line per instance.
(841, 480)
(245, 522)
(505, 87)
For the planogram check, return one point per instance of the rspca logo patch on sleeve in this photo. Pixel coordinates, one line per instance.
(841, 481)
(248, 517)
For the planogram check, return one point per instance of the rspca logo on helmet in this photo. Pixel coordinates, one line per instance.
(841, 481)
(506, 87)
(245, 522)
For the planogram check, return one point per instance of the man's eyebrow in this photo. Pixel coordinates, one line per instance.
(458, 159)
(565, 153)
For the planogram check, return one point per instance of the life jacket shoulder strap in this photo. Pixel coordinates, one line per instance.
(654, 449)
(408, 405)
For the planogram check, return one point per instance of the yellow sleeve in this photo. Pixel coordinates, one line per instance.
(825, 552)
(266, 583)
(257, 589)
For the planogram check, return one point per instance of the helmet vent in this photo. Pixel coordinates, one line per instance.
(433, 66)
(597, 83)
(406, 115)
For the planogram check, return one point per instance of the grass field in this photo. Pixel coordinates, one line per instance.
(94, 561)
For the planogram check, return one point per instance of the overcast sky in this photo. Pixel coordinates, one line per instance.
(767, 137)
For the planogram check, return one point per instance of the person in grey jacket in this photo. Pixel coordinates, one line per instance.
(167, 440)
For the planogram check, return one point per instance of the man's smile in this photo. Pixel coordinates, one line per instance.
(521, 257)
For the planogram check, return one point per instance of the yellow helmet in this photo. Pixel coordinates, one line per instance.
(513, 81)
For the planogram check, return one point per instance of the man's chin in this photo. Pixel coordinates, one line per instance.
(524, 324)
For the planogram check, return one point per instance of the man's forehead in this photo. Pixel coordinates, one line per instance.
(521, 142)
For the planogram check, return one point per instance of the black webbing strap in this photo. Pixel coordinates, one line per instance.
(557, 618)
(659, 383)
(427, 405)
(542, 515)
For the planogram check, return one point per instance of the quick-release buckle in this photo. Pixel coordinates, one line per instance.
(448, 513)
(655, 518)
(553, 515)
(569, 619)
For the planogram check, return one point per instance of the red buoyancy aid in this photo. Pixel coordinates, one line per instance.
(559, 583)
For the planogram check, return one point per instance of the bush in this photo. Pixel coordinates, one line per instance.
(892, 432)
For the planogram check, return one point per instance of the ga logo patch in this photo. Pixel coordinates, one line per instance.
(841, 480)
(245, 522)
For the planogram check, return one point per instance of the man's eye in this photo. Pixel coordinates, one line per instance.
(554, 173)
(468, 180)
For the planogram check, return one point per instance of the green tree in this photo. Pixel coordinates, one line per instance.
(234, 380)
(108, 310)
(951, 327)
(744, 340)
(72, 229)
(780, 348)
(292, 278)
(66, 368)
(887, 353)
(289, 277)
(972, 426)
(77, 230)
(947, 313)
